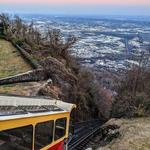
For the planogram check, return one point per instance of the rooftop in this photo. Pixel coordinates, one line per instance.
(12, 107)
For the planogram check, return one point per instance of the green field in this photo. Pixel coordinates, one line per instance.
(11, 62)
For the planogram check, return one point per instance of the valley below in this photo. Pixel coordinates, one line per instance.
(106, 48)
(103, 44)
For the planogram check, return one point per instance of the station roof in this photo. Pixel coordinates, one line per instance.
(12, 107)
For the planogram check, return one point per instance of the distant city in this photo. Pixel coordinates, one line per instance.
(111, 43)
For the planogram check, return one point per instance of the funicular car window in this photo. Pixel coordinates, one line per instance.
(43, 134)
(16, 139)
(60, 128)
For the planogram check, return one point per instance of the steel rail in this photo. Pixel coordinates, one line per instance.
(83, 134)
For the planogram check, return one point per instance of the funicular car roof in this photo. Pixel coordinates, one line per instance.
(12, 107)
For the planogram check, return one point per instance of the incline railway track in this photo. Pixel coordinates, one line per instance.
(84, 132)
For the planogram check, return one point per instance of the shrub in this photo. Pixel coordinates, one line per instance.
(133, 98)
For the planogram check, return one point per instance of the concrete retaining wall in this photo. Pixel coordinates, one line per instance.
(28, 57)
(30, 76)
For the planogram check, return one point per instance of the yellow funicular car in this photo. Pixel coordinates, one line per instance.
(33, 123)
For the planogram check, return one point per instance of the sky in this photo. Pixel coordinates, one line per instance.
(79, 1)
(87, 7)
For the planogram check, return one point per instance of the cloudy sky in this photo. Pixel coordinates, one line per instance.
(97, 7)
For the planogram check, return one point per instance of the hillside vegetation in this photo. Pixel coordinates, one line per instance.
(132, 102)
(76, 84)
(71, 82)
(133, 92)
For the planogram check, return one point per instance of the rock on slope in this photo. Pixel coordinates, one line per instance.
(134, 134)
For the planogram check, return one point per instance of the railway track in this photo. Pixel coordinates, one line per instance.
(84, 132)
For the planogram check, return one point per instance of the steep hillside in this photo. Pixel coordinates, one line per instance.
(132, 134)
(51, 51)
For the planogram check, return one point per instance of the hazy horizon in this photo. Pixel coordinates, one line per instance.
(75, 7)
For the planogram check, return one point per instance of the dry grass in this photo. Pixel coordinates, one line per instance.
(23, 89)
(135, 135)
(11, 63)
